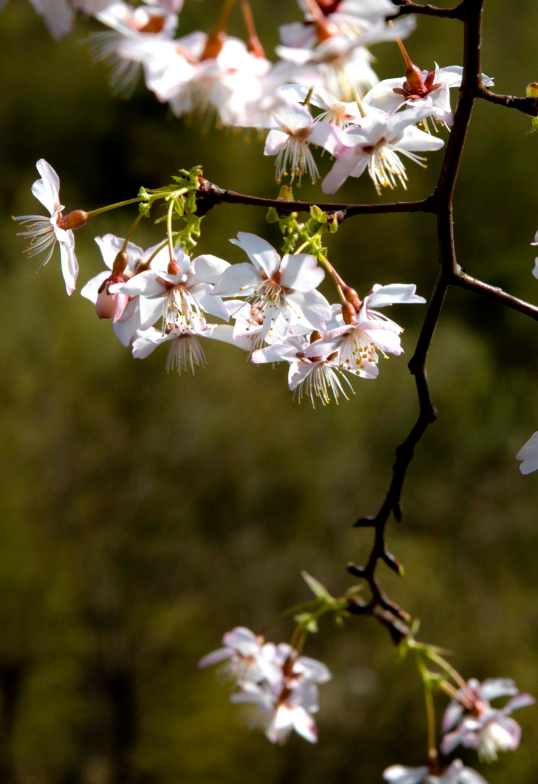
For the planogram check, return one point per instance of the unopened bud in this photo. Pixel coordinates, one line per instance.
(74, 220)
(173, 268)
(349, 313)
(315, 336)
(413, 76)
(325, 30)
(352, 297)
(119, 265)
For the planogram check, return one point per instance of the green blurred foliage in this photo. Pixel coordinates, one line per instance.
(141, 516)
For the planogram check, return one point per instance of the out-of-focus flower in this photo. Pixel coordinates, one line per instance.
(248, 657)
(315, 370)
(183, 289)
(290, 142)
(375, 144)
(456, 773)
(358, 342)
(481, 727)
(124, 48)
(276, 286)
(390, 94)
(528, 454)
(45, 232)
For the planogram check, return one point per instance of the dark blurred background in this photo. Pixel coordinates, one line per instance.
(141, 515)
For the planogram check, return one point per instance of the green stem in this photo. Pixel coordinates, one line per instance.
(131, 230)
(454, 674)
(114, 206)
(336, 278)
(285, 613)
(430, 710)
(455, 694)
(169, 230)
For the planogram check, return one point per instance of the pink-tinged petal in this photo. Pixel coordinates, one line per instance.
(275, 142)
(146, 284)
(58, 16)
(300, 272)
(147, 341)
(243, 640)
(268, 354)
(311, 307)
(451, 740)
(214, 657)
(262, 255)
(237, 280)
(452, 715)
(160, 261)
(312, 669)
(92, 286)
(529, 455)
(345, 166)
(452, 773)
(151, 309)
(369, 371)
(47, 189)
(535, 270)
(211, 303)
(304, 725)
(326, 135)
(519, 701)
(492, 688)
(399, 774)
(110, 306)
(298, 372)
(207, 269)
(69, 263)
(394, 293)
(127, 327)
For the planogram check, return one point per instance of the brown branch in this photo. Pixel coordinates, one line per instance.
(527, 105)
(209, 194)
(409, 7)
(495, 293)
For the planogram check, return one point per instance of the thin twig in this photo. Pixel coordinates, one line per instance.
(528, 105)
(409, 7)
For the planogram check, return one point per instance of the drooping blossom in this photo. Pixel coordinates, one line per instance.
(390, 94)
(344, 64)
(248, 657)
(473, 723)
(179, 290)
(123, 47)
(359, 341)
(287, 699)
(109, 305)
(315, 371)
(44, 233)
(276, 286)
(376, 144)
(185, 352)
(528, 454)
(290, 141)
(456, 773)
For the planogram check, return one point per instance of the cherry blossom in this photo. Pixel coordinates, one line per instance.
(315, 369)
(248, 658)
(456, 773)
(45, 232)
(375, 144)
(359, 341)
(290, 142)
(528, 454)
(182, 288)
(185, 352)
(482, 727)
(132, 31)
(287, 702)
(277, 287)
(390, 94)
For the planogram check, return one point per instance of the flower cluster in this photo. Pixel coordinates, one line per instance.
(278, 313)
(282, 684)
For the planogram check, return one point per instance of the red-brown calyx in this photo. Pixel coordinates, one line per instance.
(154, 25)
(116, 276)
(415, 86)
(74, 220)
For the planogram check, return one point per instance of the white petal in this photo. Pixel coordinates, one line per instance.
(304, 725)
(399, 774)
(262, 255)
(209, 301)
(275, 142)
(92, 286)
(394, 293)
(146, 284)
(492, 688)
(300, 272)
(207, 269)
(529, 455)
(346, 165)
(311, 306)
(237, 280)
(326, 135)
(413, 139)
(215, 656)
(147, 342)
(69, 263)
(47, 189)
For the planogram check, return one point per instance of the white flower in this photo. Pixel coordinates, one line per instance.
(357, 343)
(185, 352)
(529, 455)
(390, 94)
(288, 701)
(482, 727)
(375, 144)
(456, 773)
(290, 142)
(125, 48)
(315, 369)
(45, 232)
(178, 290)
(249, 659)
(345, 64)
(277, 287)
